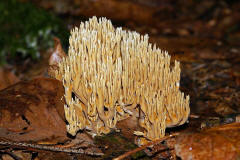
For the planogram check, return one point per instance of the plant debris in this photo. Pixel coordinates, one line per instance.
(203, 35)
(217, 143)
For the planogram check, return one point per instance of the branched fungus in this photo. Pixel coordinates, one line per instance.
(109, 72)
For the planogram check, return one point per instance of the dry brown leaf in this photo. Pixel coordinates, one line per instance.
(217, 143)
(56, 56)
(7, 78)
(33, 111)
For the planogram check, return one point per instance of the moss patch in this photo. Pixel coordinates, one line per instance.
(114, 145)
(26, 30)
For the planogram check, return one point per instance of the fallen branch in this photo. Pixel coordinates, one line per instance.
(48, 148)
(145, 146)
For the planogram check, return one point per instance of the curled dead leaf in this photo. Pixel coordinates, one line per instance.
(57, 55)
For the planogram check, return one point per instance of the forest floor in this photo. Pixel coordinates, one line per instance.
(203, 35)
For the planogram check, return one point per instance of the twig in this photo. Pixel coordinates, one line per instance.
(14, 156)
(230, 126)
(144, 146)
(10, 153)
(49, 148)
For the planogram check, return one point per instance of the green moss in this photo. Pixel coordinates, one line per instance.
(26, 30)
(118, 145)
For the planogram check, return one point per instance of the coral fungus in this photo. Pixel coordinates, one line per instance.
(111, 74)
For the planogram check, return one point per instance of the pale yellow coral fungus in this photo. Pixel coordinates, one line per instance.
(111, 71)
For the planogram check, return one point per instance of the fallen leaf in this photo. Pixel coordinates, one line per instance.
(56, 56)
(217, 143)
(7, 78)
(33, 111)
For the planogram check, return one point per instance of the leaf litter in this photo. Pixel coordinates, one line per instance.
(31, 111)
